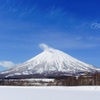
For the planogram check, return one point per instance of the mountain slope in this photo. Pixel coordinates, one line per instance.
(51, 61)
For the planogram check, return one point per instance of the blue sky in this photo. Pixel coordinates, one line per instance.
(72, 26)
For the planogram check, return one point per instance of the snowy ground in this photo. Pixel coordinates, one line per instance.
(50, 93)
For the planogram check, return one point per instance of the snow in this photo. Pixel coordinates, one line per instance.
(51, 60)
(44, 80)
(50, 93)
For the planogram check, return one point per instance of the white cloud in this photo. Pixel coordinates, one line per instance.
(44, 46)
(56, 11)
(7, 64)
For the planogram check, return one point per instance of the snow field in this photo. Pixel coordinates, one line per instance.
(50, 93)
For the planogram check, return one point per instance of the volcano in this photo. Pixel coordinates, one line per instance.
(51, 62)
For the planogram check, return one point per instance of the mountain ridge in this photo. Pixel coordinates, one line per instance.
(51, 62)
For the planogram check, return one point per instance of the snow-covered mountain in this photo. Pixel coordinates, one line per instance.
(51, 61)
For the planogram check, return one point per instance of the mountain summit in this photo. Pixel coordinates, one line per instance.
(51, 62)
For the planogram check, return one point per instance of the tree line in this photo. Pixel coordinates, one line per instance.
(81, 80)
